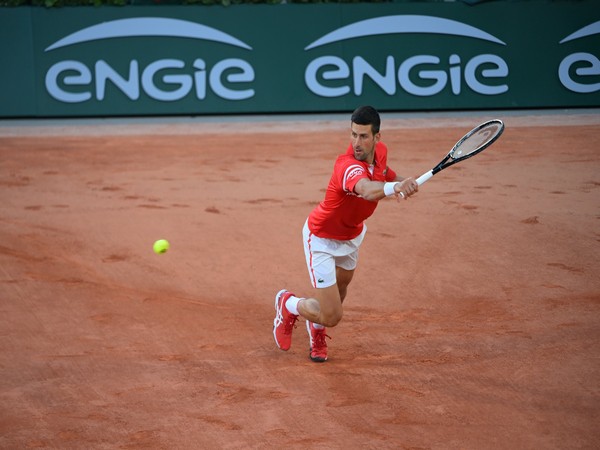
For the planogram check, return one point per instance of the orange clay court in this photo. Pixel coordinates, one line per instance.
(487, 338)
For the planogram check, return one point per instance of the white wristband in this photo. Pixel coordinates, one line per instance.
(388, 188)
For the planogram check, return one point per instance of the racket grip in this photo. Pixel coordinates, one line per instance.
(423, 178)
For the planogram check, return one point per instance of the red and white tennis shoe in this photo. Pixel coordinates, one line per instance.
(284, 321)
(318, 346)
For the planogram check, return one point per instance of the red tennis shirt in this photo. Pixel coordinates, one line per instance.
(342, 213)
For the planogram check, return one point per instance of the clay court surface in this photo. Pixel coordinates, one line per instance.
(473, 320)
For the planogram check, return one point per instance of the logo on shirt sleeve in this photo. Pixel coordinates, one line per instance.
(352, 172)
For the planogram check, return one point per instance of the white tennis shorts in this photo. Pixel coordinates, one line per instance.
(324, 255)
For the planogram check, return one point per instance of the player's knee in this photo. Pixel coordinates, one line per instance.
(333, 318)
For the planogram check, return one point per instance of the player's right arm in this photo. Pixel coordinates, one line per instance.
(374, 190)
(370, 190)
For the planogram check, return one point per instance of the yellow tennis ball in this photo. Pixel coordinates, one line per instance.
(161, 246)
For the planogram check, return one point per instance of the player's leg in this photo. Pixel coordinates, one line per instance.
(344, 277)
(325, 307)
(327, 310)
(331, 268)
(325, 303)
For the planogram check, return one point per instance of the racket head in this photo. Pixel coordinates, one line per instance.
(477, 140)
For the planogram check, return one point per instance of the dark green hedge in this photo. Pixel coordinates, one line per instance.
(58, 3)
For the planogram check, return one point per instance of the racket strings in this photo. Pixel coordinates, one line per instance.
(477, 140)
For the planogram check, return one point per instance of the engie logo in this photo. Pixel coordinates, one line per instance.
(587, 65)
(480, 73)
(72, 81)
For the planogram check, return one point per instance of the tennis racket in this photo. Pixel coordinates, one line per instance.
(475, 141)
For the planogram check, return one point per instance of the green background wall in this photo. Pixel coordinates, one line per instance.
(267, 64)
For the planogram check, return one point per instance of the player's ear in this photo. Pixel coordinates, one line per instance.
(377, 137)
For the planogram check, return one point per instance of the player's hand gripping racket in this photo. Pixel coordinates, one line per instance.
(475, 141)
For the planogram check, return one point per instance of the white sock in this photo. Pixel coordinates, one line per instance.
(291, 304)
(318, 326)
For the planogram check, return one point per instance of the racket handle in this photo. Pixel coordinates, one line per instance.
(423, 178)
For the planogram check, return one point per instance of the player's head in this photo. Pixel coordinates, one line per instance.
(367, 115)
(364, 127)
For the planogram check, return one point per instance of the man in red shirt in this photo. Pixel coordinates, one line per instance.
(334, 231)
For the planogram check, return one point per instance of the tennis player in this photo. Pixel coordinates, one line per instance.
(335, 230)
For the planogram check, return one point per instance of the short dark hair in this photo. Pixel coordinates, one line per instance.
(367, 115)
